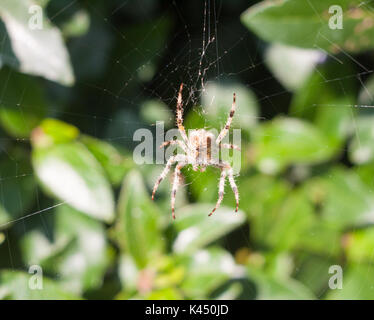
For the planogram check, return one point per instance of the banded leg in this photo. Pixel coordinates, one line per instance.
(180, 116)
(173, 142)
(177, 176)
(163, 174)
(230, 146)
(234, 187)
(226, 128)
(221, 190)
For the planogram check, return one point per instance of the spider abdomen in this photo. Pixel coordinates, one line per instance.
(203, 146)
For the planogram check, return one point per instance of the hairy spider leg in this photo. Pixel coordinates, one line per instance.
(226, 128)
(234, 187)
(226, 170)
(163, 174)
(229, 146)
(221, 190)
(177, 177)
(180, 116)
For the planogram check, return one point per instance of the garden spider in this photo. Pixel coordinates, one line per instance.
(198, 152)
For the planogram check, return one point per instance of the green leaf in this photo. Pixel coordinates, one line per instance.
(53, 131)
(17, 186)
(328, 104)
(278, 264)
(347, 200)
(357, 284)
(203, 186)
(115, 164)
(77, 25)
(306, 24)
(194, 119)
(78, 252)
(39, 51)
(206, 270)
(195, 229)
(15, 285)
(263, 197)
(128, 272)
(38, 248)
(359, 245)
(165, 294)
(155, 110)
(321, 238)
(313, 271)
(84, 264)
(292, 66)
(361, 147)
(22, 103)
(272, 288)
(230, 291)
(7, 56)
(71, 173)
(366, 95)
(284, 229)
(137, 228)
(366, 173)
(286, 141)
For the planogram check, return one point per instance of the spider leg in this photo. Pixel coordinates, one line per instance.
(180, 116)
(163, 174)
(177, 175)
(234, 187)
(226, 128)
(230, 146)
(221, 190)
(178, 142)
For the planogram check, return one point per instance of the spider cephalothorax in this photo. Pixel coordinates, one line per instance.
(197, 148)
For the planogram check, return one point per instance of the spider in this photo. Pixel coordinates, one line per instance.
(198, 153)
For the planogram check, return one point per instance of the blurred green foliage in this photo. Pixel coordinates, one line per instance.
(73, 201)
